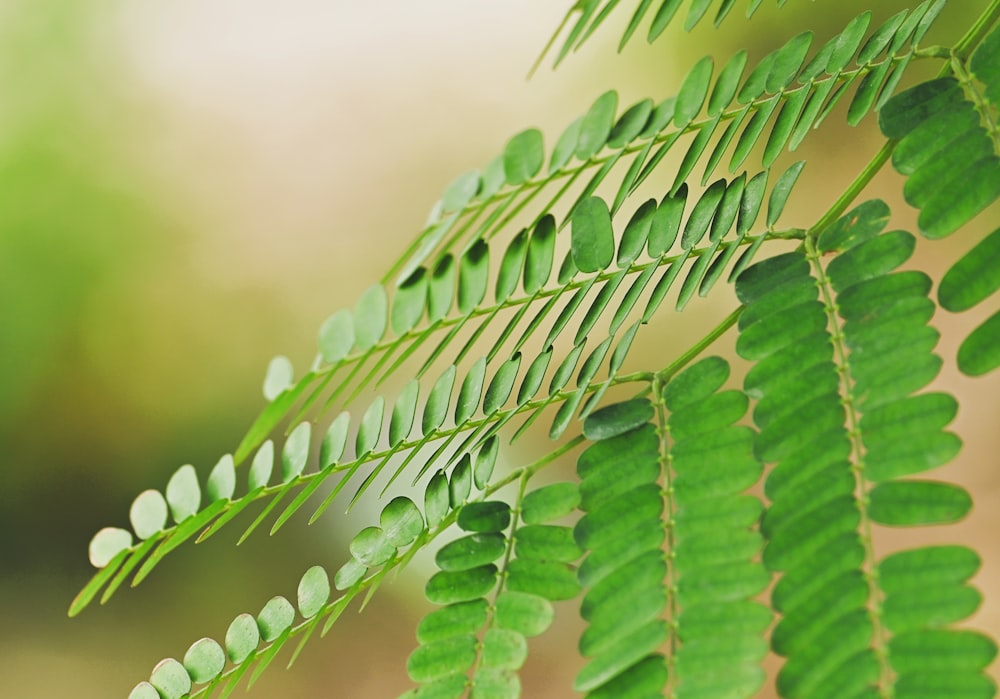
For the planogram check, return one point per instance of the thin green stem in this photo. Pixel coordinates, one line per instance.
(704, 343)
(978, 31)
(875, 596)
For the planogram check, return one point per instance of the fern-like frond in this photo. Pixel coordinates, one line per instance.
(438, 292)
(679, 486)
(656, 229)
(252, 642)
(495, 587)
(840, 350)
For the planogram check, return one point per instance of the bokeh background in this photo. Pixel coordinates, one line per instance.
(188, 188)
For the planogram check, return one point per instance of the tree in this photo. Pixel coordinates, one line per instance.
(659, 536)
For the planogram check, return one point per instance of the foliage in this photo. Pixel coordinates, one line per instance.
(659, 536)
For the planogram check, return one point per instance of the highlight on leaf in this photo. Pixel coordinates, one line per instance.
(856, 397)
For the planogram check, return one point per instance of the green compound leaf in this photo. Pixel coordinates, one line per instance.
(953, 170)
(523, 157)
(592, 236)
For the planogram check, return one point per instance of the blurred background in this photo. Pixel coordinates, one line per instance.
(189, 188)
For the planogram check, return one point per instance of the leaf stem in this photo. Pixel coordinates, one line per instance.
(853, 190)
(978, 31)
(682, 361)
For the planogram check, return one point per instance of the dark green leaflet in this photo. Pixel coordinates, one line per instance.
(882, 395)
